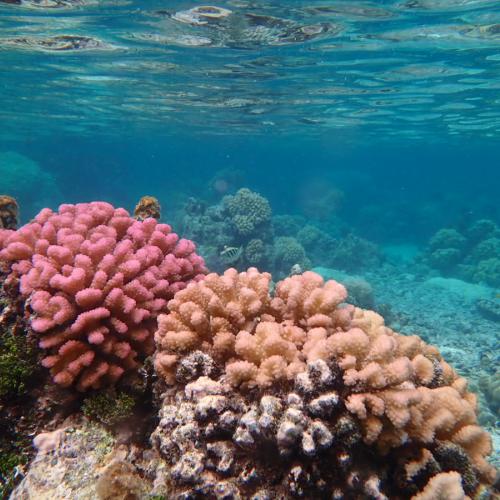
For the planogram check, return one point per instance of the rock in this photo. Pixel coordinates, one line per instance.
(490, 309)
(80, 461)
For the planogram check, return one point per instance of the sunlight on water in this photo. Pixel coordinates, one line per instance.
(423, 69)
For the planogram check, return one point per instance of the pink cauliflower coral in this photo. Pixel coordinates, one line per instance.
(96, 279)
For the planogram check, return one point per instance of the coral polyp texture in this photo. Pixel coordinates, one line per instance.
(296, 394)
(248, 211)
(95, 280)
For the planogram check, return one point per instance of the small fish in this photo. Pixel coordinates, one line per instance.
(231, 254)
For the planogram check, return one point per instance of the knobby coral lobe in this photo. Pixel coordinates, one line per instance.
(95, 280)
(295, 394)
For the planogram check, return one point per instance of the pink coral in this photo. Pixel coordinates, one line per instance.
(96, 279)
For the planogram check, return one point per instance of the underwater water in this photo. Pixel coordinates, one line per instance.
(365, 137)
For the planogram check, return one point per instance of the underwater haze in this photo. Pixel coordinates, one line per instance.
(358, 139)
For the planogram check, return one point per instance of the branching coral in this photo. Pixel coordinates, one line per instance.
(298, 394)
(95, 280)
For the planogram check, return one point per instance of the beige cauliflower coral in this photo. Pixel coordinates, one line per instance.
(333, 365)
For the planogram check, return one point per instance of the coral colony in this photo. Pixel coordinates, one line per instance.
(326, 397)
(96, 279)
(265, 391)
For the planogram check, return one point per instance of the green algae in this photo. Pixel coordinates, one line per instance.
(17, 364)
(109, 407)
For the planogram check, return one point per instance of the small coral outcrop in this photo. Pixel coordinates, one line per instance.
(248, 211)
(473, 254)
(236, 232)
(296, 394)
(9, 212)
(95, 279)
(287, 252)
(147, 207)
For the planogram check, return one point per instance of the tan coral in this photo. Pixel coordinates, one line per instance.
(443, 486)
(398, 388)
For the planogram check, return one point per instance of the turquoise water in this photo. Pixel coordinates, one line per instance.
(385, 71)
(367, 126)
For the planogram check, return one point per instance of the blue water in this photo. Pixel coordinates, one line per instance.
(396, 103)
(371, 120)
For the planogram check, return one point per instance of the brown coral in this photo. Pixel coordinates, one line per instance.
(9, 212)
(148, 207)
(308, 379)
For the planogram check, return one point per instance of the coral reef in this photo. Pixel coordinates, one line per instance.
(353, 253)
(347, 252)
(286, 225)
(147, 207)
(31, 405)
(18, 356)
(240, 232)
(9, 212)
(473, 255)
(18, 367)
(295, 394)
(17, 363)
(25, 403)
(486, 271)
(95, 280)
(236, 232)
(82, 459)
(120, 480)
(255, 252)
